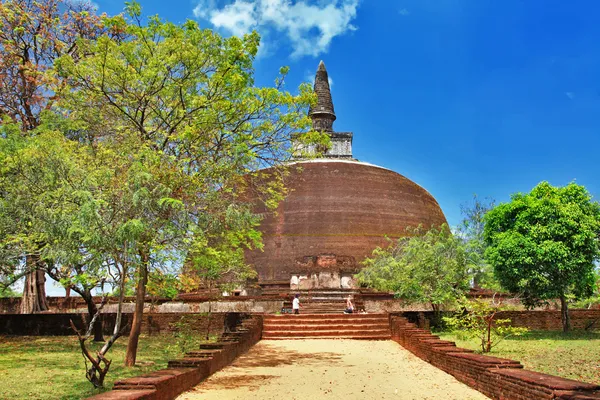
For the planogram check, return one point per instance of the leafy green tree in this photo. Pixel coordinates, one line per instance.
(179, 106)
(428, 267)
(33, 34)
(471, 231)
(478, 320)
(543, 244)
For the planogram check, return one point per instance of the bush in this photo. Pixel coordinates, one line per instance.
(478, 321)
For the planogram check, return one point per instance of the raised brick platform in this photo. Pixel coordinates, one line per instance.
(327, 326)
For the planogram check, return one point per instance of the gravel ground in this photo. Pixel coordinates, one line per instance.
(330, 369)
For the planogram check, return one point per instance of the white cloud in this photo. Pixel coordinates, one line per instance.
(570, 95)
(309, 25)
(404, 12)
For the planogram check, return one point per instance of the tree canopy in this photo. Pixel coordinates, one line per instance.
(143, 156)
(543, 244)
(428, 267)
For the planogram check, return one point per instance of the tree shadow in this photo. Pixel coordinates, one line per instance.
(274, 356)
(251, 382)
(264, 356)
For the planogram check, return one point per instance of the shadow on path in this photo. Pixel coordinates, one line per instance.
(264, 356)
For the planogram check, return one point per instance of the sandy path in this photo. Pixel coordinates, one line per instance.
(330, 369)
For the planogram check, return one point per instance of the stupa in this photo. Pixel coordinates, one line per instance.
(337, 212)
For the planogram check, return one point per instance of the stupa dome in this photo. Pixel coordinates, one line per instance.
(337, 212)
(341, 209)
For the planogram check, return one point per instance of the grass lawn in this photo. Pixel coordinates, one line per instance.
(575, 355)
(52, 367)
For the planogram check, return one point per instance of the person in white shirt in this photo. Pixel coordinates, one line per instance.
(349, 305)
(296, 304)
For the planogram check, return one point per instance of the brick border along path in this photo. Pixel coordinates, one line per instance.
(330, 369)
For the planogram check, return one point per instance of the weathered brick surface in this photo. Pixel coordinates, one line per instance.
(495, 377)
(342, 208)
(551, 321)
(186, 373)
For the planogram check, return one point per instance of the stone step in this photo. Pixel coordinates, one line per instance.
(328, 333)
(214, 346)
(338, 319)
(319, 324)
(324, 322)
(332, 326)
(187, 362)
(362, 337)
(201, 353)
(324, 316)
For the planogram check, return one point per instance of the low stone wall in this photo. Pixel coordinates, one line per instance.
(187, 304)
(537, 320)
(550, 320)
(58, 324)
(168, 383)
(497, 378)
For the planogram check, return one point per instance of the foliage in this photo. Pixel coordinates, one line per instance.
(594, 299)
(8, 292)
(141, 158)
(428, 267)
(163, 285)
(543, 244)
(478, 321)
(33, 34)
(186, 335)
(471, 231)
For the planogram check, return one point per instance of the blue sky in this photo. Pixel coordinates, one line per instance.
(461, 96)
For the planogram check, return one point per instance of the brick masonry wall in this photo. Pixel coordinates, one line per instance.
(497, 378)
(168, 383)
(551, 321)
(538, 320)
(58, 324)
(185, 303)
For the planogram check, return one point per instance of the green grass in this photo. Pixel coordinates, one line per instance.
(575, 355)
(52, 367)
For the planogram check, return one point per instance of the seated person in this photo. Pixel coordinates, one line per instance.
(349, 306)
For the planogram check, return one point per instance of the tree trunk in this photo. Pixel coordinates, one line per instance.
(92, 310)
(437, 315)
(34, 292)
(209, 319)
(136, 327)
(564, 313)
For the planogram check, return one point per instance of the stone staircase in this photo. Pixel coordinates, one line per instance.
(211, 350)
(324, 301)
(327, 326)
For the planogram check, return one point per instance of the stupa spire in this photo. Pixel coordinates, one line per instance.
(322, 114)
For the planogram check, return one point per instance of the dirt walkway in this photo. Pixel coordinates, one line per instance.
(330, 369)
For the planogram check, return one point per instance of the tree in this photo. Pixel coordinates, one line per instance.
(62, 208)
(543, 244)
(179, 104)
(478, 320)
(471, 231)
(428, 267)
(216, 262)
(43, 183)
(33, 34)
